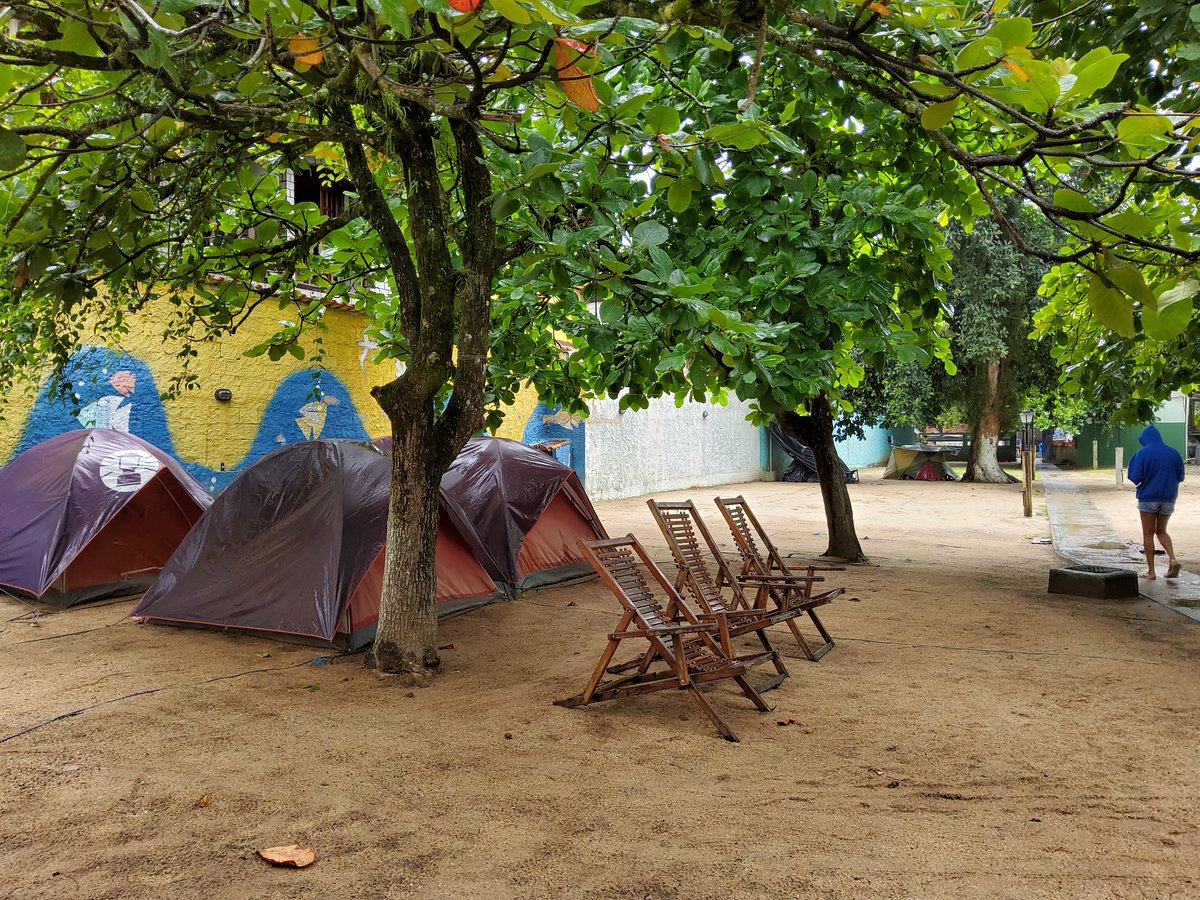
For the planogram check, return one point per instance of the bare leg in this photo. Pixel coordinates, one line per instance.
(1160, 531)
(1149, 526)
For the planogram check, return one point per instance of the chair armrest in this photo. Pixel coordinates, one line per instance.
(777, 579)
(665, 631)
(730, 614)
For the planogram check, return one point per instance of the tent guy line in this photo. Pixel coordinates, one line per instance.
(161, 690)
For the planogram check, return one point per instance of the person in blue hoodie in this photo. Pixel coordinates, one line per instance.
(1156, 469)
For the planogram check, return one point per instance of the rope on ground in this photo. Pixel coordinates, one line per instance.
(160, 690)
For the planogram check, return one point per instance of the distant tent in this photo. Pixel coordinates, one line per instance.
(804, 464)
(295, 546)
(91, 513)
(521, 510)
(920, 463)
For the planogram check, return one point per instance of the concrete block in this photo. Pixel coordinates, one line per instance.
(1098, 582)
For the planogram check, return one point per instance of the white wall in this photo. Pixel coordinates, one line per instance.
(667, 448)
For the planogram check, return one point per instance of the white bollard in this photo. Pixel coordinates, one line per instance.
(1095, 454)
(1120, 461)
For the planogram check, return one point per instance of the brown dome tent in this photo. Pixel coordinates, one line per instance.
(295, 546)
(522, 511)
(92, 513)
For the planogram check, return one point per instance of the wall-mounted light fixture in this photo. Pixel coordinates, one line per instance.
(223, 394)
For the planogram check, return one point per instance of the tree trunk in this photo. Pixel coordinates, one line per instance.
(982, 464)
(816, 430)
(406, 637)
(443, 307)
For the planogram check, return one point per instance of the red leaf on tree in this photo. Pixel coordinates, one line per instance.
(465, 6)
(576, 83)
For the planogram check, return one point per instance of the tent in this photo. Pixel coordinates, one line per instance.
(91, 513)
(919, 462)
(295, 546)
(522, 511)
(804, 464)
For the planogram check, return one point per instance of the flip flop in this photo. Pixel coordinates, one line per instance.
(1173, 571)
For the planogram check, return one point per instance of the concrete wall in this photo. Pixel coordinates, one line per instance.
(873, 449)
(667, 448)
(274, 403)
(1170, 419)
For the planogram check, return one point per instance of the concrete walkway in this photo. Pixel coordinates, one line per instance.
(1083, 534)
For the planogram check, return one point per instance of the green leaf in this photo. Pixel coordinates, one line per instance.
(1073, 200)
(650, 233)
(1110, 307)
(513, 11)
(662, 120)
(1144, 130)
(977, 53)
(394, 13)
(742, 135)
(939, 114)
(77, 39)
(1094, 74)
(1012, 32)
(12, 149)
(1167, 323)
(1131, 283)
(679, 196)
(1185, 290)
(1132, 223)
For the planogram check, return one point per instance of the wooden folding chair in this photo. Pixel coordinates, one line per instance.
(787, 585)
(684, 653)
(685, 531)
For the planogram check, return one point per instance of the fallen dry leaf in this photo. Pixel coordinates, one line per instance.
(203, 801)
(291, 855)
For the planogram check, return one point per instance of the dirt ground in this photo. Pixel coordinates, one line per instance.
(970, 735)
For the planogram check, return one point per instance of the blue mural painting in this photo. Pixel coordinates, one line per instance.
(102, 388)
(552, 424)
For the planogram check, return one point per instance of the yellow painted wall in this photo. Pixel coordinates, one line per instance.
(271, 405)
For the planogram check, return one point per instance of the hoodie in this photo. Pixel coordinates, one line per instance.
(1156, 469)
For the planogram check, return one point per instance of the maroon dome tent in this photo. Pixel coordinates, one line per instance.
(522, 511)
(90, 513)
(295, 546)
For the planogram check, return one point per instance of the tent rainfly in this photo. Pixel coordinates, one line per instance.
(295, 547)
(804, 464)
(920, 463)
(91, 513)
(522, 511)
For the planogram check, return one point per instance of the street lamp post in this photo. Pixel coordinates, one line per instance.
(1027, 459)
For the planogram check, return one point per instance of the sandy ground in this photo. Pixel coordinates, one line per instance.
(970, 735)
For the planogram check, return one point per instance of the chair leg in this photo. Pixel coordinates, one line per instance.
(750, 692)
(776, 660)
(791, 623)
(702, 702)
(821, 651)
(598, 673)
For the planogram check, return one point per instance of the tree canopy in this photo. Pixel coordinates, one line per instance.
(745, 195)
